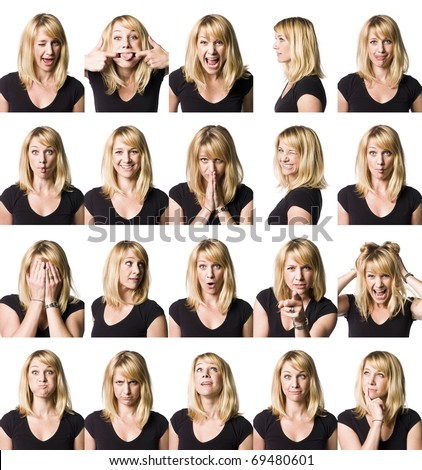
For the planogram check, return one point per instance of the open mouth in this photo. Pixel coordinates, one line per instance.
(212, 62)
(127, 55)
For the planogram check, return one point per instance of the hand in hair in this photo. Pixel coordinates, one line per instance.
(97, 60)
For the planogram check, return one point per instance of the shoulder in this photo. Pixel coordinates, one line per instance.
(176, 79)
(94, 192)
(263, 419)
(411, 193)
(244, 193)
(410, 82)
(157, 194)
(150, 306)
(179, 418)
(98, 303)
(240, 304)
(73, 82)
(240, 422)
(12, 301)
(346, 417)
(266, 294)
(302, 194)
(157, 418)
(180, 189)
(245, 82)
(350, 79)
(12, 77)
(325, 305)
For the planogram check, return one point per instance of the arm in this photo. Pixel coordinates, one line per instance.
(4, 104)
(298, 216)
(260, 321)
(6, 217)
(79, 441)
(173, 439)
(258, 442)
(10, 326)
(293, 308)
(78, 218)
(175, 215)
(247, 105)
(173, 102)
(342, 215)
(414, 437)
(247, 443)
(89, 441)
(342, 104)
(416, 285)
(164, 441)
(174, 329)
(88, 218)
(324, 326)
(342, 300)
(309, 104)
(248, 328)
(416, 218)
(347, 438)
(332, 441)
(79, 106)
(417, 104)
(5, 441)
(246, 215)
(158, 328)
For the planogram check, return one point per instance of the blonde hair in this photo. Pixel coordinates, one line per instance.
(305, 58)
(26, 59)
(395, 403)
(311, 166)
(133, 367)
(384, 259)
(228, 403)
(53, 253)
(61, 175)
(111, 274)
(304, 252)
(385, 27)
(217, 142)
(143, 72)
(386, 138)
(132, 136)
(217, 252)
(61, 395)
(301, 361)
(232, 69)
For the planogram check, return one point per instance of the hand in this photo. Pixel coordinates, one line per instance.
(375, 406)
(53, 283)
(36, 280)
(209, 193)
(157, 57)
(218, 198)
(293, 308)
(97, 60)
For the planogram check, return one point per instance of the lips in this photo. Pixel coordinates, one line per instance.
(127, 55)
(48, 60)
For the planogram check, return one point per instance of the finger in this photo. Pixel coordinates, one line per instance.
(142, 53)
(99, 45)
(295, 295)
(153, 43)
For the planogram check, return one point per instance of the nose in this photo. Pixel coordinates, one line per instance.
(210, 272)
(127, 157)
(42, 157)
(205, 373)
(49, 48)
(126, 43)
(380, 160)
(378, 281)
(299, 273)
(211, 165)
(126, 388)
(211, 47)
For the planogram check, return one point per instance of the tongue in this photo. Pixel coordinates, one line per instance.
(126, 55)
(212, 62)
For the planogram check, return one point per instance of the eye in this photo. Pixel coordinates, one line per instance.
(217, 266)
(133, 382)
(202, 266)
(218, 161)
(307, 268)
(128, 263)
(203, 160)
(134, 151)
(302, 376)
(287, 376)
(134, 37)
(34, 152)
(56, 42)
(387, 153)
(34, 372)
(199, 369)
(202, 42)
(219, 42)
(214, 369)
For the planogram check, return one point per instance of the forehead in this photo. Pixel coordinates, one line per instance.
(36, 142)
(289, 367)
(119, 28)
(206, 363)
(37, 363)
(285, 145)
(132, 254)
(42, 33)
(376, 33)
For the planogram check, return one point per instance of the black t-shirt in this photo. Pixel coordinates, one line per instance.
(133, 325)
(16, 427)
(191, 326)
(397, 327)
(192, 101)
(16, 202)
(311, 85)
(354, 91)
(187, 201)
(106, 438)
(360, 214)
(398, 439)
(308, 199)
(268, 427)
(104, 213)
(148, 102)
(234, 432)
(313, 312)
(12, 301)
(17, 96)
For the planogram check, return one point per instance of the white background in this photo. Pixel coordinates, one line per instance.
(337, 26)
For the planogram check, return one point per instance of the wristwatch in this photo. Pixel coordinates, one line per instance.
(54, 304)
(221, 209)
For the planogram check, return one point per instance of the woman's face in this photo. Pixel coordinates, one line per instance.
(126, 159)
(379, 285)
(42, 159)
(132, 270)
(211, 52)
(46, 51)
(289, 160)
(282, 47)
(127, 391)
(374, 382)
(294, 383)
(380, 50)
(126, 43)
(299, 277)
(209, 165)
(210, 274)
(380, 161)
(208, 378)
(42, 379)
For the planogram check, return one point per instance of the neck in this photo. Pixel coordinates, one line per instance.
(296, 410)
(211, 300)
(127, 75)
(42, 407)
(126, 185)
(42, 185)
(210, 405)
(379, 186)
(125, 411)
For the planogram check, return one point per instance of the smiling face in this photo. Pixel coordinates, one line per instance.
(374, 382)
(126, 390)
(380, 50)
(125, 42)
(282, 47)
(379, 285)
(295, 383)
(42, 379)
(299, 277)
(42, 159)
(289, 160)
(126, 159)
(208, 378)
(46, 51)
(211, 52)
(210, 275)
(132, 270)
(380, 161)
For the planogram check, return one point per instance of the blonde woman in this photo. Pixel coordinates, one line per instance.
(380, 196)
(296, 46)
(127, 421)
(211, 308)
(126, 68)
(380, 307)
(125, 310)
(296, 419)
(295, 306)
(299, 168)
(381, 83)
(44, 306)
(44, 194)
(43, 419)
(381, 419)
(212, 421)
(214, 193)
(42, 83)
(214, 78)
(127, 196)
